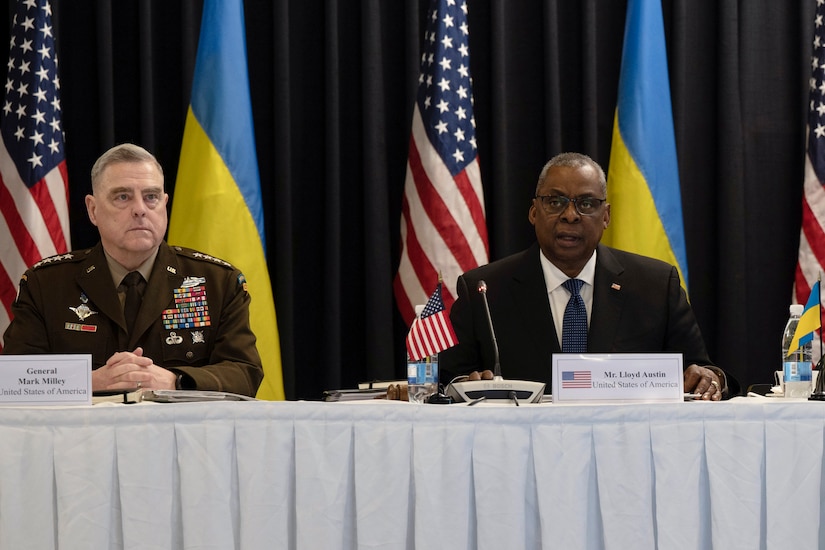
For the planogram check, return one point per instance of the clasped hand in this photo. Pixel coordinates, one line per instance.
(127, 370)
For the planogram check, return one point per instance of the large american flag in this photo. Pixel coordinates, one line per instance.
(443, 227)
(34, 212)
(812, 235)
(432, 331)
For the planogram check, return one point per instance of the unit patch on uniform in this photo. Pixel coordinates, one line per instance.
(23, 279)
(191, 308)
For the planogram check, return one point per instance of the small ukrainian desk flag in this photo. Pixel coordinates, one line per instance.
(217, 201)
(809, 321)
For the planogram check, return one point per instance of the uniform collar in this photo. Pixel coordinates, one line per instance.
(119, 272)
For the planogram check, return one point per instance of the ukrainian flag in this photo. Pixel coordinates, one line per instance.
(809, 321)
(643, 176)
(217, 201)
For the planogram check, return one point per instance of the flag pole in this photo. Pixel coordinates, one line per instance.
(819, 301)
(819, 389)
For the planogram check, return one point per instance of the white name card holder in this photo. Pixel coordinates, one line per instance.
(618, 377)
(46, 379)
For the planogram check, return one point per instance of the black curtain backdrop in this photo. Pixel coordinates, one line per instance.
(333, 83)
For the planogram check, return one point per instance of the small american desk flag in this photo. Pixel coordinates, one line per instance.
(432, 332)
(34, 212)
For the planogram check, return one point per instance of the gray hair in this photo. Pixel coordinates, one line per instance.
(125, 152)
(573, 160)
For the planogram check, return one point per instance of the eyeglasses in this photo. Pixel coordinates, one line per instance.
(556, 204)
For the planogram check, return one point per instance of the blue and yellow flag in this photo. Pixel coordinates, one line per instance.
(643, 176)
(217, 201)
(809, 321)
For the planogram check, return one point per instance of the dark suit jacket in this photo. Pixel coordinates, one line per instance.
(638, 306)
(218, 356)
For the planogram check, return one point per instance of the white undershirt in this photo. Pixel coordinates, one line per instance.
(559, 296)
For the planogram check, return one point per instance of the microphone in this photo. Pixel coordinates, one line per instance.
(498, 388)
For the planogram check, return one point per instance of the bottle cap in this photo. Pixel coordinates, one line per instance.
(796, 309)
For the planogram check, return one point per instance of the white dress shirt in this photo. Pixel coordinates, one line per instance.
(559, 296)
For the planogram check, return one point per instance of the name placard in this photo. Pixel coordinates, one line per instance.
(626, 377)
(46, 379)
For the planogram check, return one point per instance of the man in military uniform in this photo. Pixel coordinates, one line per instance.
(152, 315)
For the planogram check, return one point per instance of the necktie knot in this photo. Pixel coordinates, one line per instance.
(574, 286)
(132, 279)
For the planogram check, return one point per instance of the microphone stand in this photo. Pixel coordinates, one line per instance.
(482, 289)
(475, 391)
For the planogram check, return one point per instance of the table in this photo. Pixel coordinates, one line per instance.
(741, 474)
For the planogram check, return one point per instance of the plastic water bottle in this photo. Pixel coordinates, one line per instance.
(796, 367)
(422, 374)
(422, 378)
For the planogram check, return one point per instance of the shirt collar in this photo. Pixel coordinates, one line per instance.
(554, 277)
(119, 272)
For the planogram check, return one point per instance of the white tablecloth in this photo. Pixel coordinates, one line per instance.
(743, 474)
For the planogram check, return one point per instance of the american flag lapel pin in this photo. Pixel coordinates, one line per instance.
(616, 286)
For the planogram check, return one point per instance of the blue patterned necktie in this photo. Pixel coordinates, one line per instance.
(574, 326)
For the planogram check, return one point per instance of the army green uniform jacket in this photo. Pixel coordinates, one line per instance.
(193, 320)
